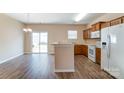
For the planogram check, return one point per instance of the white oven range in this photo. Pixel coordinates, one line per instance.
(92, 52)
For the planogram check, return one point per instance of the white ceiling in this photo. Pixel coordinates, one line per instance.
(53, 18)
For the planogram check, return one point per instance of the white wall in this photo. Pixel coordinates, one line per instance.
(55, 33)
(11, 38)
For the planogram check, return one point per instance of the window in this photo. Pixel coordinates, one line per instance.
(72, 34)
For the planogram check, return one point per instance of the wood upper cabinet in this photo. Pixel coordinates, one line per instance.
(86, 33)
(116, 21)
(123, 19)
(98, 55)
(97, 26)
(106, 24)
(94, 27)
(81, 50)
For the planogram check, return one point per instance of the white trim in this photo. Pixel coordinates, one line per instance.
(10, 58)
(51, 53)
(64, 70)
(28, 53)
(36, 53)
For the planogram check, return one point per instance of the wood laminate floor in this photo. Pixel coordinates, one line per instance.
(41, 66)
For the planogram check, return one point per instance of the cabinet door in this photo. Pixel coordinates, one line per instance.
(85, 50)
(98, 26)
(123, 19)
(93, 28)
(98, 55)
(116, 21)
(104, 25)
(86, 34)
(77, 49)
(81, 50)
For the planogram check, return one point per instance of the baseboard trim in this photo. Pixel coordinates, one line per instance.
(28, 53)
(11, 58)
(38, 53)
(64, 70)
(51, 53)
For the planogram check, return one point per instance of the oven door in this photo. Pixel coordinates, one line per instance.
(91, 51)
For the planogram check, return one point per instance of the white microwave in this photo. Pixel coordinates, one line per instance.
(95, 34)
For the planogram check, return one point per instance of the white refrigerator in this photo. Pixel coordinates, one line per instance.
(112, 54)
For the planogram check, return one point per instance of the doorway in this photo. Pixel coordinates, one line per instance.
(40, 42)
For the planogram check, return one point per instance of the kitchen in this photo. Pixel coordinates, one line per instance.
(89, 45)
(93, 46)
(108, 49)
(44, 48)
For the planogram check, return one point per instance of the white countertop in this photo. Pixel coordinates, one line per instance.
(63, 44)
(56, 43)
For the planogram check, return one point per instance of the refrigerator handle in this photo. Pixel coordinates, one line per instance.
(109, 46)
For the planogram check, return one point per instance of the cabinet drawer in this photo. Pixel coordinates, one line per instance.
(116, 21)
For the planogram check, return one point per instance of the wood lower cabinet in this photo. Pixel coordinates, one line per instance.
(81, 50)
(77, 50)
(85, 50)
(98, 56)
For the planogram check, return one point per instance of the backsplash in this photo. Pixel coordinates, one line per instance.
(95, 41)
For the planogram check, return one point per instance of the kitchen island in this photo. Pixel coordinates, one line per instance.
(64, 57)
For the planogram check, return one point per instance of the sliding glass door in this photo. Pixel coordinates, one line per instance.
(40, 42)
(35, 42)
(43, 42)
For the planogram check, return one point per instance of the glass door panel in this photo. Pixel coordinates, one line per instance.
(40, 42)
(43, 42)
(35, 42)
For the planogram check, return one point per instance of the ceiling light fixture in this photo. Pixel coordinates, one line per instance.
(80, 16)
(27, 29)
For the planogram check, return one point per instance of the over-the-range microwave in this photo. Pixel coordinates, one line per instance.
(95, 34)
